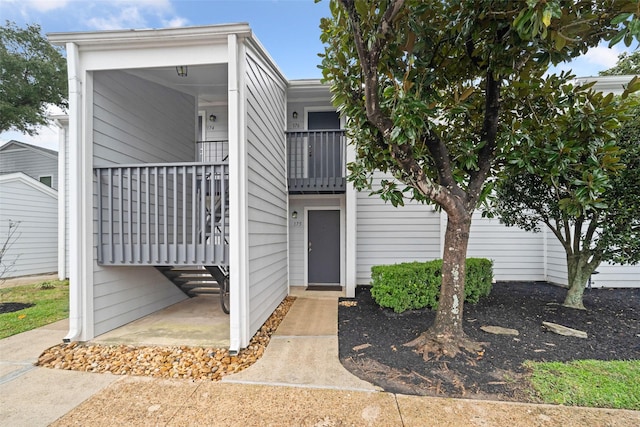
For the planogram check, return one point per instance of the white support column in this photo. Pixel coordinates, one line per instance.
(238, 245)
(75, 135)
(87, 249)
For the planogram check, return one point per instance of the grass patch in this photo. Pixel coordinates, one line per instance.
(593, 383)
(51, 303)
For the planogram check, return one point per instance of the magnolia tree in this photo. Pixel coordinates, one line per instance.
(433, 91)
(577, 172)
(628, 63)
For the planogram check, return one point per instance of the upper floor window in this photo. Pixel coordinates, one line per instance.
(46, 180)
(323, 120)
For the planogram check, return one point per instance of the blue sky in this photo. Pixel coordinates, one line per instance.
(287, 28)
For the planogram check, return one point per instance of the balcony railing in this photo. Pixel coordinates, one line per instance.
(163, 214)
(212, 151)
(316, 161)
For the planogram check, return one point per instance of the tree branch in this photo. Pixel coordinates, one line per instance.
(488, 136)
(369, 60)
(577, 233)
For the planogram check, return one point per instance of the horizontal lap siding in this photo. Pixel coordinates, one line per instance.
(31, 162)
(389, 235)
(516, 254)
(35, 245)
(556, 260)
(617, 276)
(267, 191)
(609, 276)
(136, 121)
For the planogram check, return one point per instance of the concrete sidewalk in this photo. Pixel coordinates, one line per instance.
(32, 396)
(299, 382)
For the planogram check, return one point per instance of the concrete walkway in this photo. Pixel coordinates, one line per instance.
(32, 396)
(308, 340)
(298, 382)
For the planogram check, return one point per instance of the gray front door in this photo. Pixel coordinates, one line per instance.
(324, 247)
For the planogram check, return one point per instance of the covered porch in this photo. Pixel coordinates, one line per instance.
(177, 158)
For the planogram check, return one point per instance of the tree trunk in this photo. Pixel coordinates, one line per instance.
(446, 335)
(578, 271)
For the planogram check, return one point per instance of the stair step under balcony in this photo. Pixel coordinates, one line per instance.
(192, 281)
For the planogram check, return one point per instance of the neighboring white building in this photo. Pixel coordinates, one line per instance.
(188, 146)
(32, 208)
(28, 199)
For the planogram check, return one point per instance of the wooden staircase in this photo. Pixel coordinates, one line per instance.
(193, 280)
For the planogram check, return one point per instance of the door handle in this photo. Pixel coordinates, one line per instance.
(310, 249)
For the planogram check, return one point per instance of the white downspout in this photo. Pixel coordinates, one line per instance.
(63, 124)
(75, 133)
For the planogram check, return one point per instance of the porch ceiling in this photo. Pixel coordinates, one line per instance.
(206, 82)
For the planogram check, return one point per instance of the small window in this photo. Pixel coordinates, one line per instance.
(46, 180)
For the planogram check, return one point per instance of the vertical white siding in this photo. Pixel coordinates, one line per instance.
(136, 121)
(516, 254)
(35, 245)
(32, 161)
(267, 191)
(388, 235)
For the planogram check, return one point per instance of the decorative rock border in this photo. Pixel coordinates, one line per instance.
(160, 361)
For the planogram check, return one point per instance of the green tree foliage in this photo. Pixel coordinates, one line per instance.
(628, 64)
(576, 171)
(432, 90)
(33, 75)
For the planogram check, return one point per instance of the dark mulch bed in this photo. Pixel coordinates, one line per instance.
(10, 307)
(372, 338)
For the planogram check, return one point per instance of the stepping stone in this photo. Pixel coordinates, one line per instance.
(564, 330)
(499, 330)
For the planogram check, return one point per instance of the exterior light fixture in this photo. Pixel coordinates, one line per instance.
(294, 214)
(212, 118)
(182, 70)
(295, 114)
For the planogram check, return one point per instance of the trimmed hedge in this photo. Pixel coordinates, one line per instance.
(415, 285)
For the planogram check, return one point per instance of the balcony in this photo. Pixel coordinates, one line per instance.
(316, 162)
(163, 214)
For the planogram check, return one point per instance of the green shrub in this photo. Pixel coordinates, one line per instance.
(415, 285)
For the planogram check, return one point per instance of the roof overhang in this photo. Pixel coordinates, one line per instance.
(123, 40)
(150, 37)
(607, 84)
(308, 88)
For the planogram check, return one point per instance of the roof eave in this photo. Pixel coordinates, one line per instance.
(149, 36)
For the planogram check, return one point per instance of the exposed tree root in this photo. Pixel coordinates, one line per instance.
(430, 344)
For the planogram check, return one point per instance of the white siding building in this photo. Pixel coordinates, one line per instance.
(188, 147)
(32, 208)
